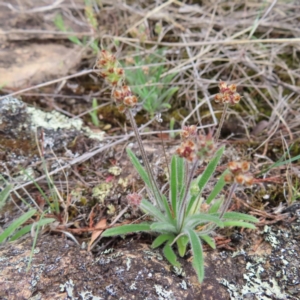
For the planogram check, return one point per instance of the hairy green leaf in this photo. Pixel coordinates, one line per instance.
(163, 227)
(201, 218)
(239, 216)
(239, 224)
(217, 188)
(124, 229)
(210, 169)
(153, 211)
(176, 182)
(198, 260)
(208, 240)
(140, 169)
(162, 238)
(206, 175)
(182, 243)
(170, 255)
(215, 206)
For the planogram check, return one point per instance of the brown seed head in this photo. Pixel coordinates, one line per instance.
(223, 86)
(218, 98)
(249, 180)
(228, 178)
(130, 101)
(236, 98)
(232, 88)
(239, 179)
(188, 131)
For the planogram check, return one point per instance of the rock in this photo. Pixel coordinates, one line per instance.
(24, 130)
(60, 269)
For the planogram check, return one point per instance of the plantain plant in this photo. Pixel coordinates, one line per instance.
(182, 216)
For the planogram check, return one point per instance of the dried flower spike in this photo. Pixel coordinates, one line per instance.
(238, 173)
(195, 146)
(228, 94)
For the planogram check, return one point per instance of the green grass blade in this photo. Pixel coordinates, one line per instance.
(60, 24)
(4, 195)
(161, 239)
(240, 216)
(170, 255)
(16, 224)
(239, 224)
(93, 114)
(124, 229)
(198, 260)
(27, 228)
(281, 161)
(153, 211)
(208, 240)
(217, 188)
(166, 96)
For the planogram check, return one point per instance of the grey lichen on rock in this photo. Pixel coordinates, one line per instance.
(23, 129)
(62, 271)
(16, 116)
(52, 120)
(271, 274)
(14, 119)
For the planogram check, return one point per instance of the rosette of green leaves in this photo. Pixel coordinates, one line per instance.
(149, 85)
(180, 219)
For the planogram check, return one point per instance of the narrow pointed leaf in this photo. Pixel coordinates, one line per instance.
(206, 175)
(4, 194)
(210, 169)
(182, 243)
(198, 260)
(138, 166)
(124, 229)
(239, 224)
(217, 188)
(161, 239)
(27, 228)
(163, 227)
(240, 216)
(167, 208)
(198, 219)
(170, 255)
(153, 211)
(176, 182)
(208, 240)
(215, 207)
(173, 184)
(16, 224)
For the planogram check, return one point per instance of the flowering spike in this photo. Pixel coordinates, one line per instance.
(238, 173)
(228, 94)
